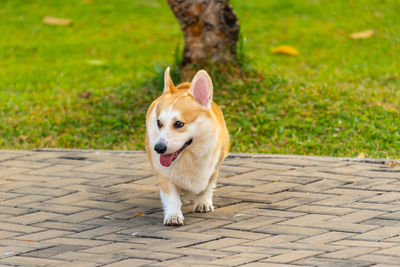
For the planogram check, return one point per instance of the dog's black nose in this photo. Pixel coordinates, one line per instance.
(160, 148)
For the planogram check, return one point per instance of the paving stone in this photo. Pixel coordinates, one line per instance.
(91, 208)
(357, 216)
(292, 256)
(146, 254)
(76, 241)
(31, 218)
(200, 226)
(12, 227)
(394, 251)
(379, 234)
(288, 229)
(273, 241)
(344, 227)
(23, 163)
(129, 262)
(72, 198)
(52, 251)
(55, 170)
(263, 210)
(200, 252)
(93, 233)
(383, 222)
(273, 187)
(221, 243)
(90, 257)
(56, 208)
(12, 154)
(7, 234)
(319, 261)
(384, 197)
(325, 248)
(236, 234)
(320, 186)
(109, 248)
(309, 219)
(319, 209)
(391, 215)
(11, 251)
(326, 238)
(24, 200)
(254, 249)
(362, 243)
(82, 216)
(42, 191)
(396, 239)
(32, 261)
(63, 226)
(24, 243)
(44, 235)
(191, 260)
(6, 172)
(347, 253)
(78, 263)
(269, 264)
(239, 259)
(255, 222)
(372, 206)
(376, 258)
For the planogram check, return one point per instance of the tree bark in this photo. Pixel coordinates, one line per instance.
(210, 28)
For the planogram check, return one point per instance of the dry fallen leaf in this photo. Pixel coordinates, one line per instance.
(139, 214)
(85, 95)
(393, 163)
(25, 240)
(286, 50)
(56, 21)
(362, 35)
(95, 62)
(23, 137)
(361, 155)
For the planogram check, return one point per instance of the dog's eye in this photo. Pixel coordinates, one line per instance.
(159, 124)
(178, 124)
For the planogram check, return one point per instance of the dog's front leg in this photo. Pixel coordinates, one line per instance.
(171, 200)
(203, 202)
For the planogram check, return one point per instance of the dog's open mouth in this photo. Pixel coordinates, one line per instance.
(166, 160)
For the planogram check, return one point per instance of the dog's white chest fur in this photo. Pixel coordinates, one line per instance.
(193, 168)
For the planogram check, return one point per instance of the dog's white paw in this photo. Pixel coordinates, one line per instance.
(203, 207)
(173, 220)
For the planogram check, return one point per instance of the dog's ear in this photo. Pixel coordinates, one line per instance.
(168, 84)
(201, 88)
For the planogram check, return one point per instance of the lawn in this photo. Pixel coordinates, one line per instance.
(88, 85)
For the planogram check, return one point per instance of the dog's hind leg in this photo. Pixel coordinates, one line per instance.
(171, 200)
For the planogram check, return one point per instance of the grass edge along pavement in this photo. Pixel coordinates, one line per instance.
(339, 97)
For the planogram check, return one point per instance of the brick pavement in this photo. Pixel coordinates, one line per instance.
(91, 208)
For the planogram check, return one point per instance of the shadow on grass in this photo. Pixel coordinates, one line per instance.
(240, 92)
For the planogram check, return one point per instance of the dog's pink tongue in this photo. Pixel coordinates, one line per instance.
(166, 160)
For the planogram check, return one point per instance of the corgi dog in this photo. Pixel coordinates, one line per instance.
(186, 142)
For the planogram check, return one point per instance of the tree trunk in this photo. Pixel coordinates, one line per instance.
(210, 28)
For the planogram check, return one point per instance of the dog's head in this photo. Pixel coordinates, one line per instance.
(183, 116)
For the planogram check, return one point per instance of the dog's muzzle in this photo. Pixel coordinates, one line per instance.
(166, 160)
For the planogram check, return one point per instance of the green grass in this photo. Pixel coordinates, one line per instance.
(339, 97)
